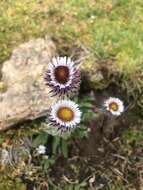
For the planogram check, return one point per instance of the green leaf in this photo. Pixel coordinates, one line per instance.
(56, 143)
(40, 139)
(64, 148)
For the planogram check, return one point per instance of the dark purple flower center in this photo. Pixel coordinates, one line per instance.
(62, 74)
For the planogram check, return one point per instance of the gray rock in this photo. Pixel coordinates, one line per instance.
(26, 96)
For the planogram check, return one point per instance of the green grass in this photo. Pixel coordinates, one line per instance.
(112, 30)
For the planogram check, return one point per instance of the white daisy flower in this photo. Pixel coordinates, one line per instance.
(41, 149)
(62, 76)
(114, 105)
(65, 115)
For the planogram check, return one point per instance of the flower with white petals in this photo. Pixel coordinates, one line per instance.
(114, 105)
(65, 115)
(41, 149)
(62, 76)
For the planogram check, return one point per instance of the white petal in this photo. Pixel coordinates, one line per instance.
(71, 105)
(118, 102)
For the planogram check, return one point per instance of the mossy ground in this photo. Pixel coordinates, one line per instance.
(110, 31)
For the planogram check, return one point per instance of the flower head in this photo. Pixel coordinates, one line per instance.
(41, 149)
(65, 115)
(114, 105)
(62, 76)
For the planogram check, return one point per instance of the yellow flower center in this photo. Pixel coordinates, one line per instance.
(65, 114)
(113, 106)
(62, 74)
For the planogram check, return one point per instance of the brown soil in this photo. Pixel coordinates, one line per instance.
(102, 157)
